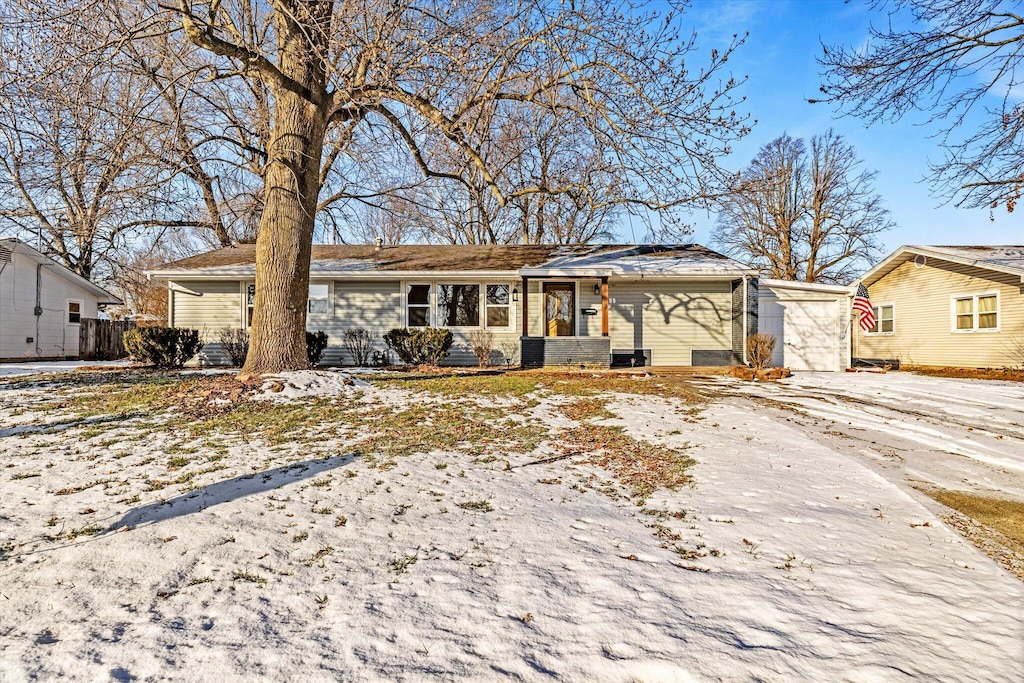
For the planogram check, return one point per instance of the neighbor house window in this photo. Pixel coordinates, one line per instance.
(497, 314)
(418, 305)
(74, 312)
(458, 305)
(885, 319)
(319, 298)
(976, 312)
(250, 300)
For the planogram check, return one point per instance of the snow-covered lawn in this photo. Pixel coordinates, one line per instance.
(37, 367)
(482, 529)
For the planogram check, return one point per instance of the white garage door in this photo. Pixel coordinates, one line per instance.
(810, 336)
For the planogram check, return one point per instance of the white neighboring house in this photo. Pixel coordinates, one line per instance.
(810, 323)
(42, 304)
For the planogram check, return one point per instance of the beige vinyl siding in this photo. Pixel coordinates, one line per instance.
(374, 305)
(589, 325)
(671, 318)
(923, 332)
(536, 312)
(218, 305)
(377, 306)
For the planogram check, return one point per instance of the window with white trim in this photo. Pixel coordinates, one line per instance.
(319, 301)
(498, 309)
(250, 300)
(74, 312)
(458, 305)
(976, 312)
(417, 304)
(885, 319)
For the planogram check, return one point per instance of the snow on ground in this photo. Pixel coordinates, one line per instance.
(954, 433)
(301, 384)
(787, 559)
(40, 367)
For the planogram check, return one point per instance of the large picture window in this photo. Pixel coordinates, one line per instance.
(417, 300)
(976, 312)
(497, 306)
(458, 305)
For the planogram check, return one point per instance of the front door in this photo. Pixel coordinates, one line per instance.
(559, 309)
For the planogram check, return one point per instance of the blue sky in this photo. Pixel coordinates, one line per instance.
(779, 60)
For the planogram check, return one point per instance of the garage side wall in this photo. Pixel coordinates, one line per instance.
(53, 336)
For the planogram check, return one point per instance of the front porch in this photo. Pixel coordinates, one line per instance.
(563, 319)
(589, 351)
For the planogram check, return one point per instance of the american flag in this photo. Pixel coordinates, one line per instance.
(862, 303)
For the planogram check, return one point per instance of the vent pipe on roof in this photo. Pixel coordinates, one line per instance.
(380, 242)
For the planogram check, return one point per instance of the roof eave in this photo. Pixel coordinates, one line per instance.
(880, 269)
(335, 275)
(103, 297)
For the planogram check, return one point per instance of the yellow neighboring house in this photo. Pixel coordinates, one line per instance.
(956, 306)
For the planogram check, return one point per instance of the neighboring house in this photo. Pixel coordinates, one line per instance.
(667, 305)
(42, 304)
(959, 306)
(810, 323)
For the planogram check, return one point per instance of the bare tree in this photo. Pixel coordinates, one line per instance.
(101, 141)
(333, 69)
(946, 58)
(802, 214)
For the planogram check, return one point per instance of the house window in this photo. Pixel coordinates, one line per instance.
(74, 312)
(976, 312)
(250, 300)
(885, 319)
(497, 314)
(458, 305)
(319, 299)
(417, 299)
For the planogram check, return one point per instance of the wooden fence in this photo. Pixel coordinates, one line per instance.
(101, 339)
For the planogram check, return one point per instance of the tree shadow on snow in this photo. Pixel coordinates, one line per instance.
(228, 490)
(54, 427)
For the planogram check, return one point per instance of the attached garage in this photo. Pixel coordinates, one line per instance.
(810, 323)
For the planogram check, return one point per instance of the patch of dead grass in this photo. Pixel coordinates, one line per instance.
(1005, 516)
(641, 466)
(1005, 374)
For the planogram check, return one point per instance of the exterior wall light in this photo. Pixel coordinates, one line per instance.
(515, 295)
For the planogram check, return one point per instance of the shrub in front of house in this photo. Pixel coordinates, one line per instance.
(481, 341)
(164, 347)
(420, 345)
(759, 350)
(358, 343)
(235, 342)
(316, 342)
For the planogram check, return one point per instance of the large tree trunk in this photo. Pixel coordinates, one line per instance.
(283, 243)
(291, 189)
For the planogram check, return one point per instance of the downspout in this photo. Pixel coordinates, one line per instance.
(746, 310)
(38, 311)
